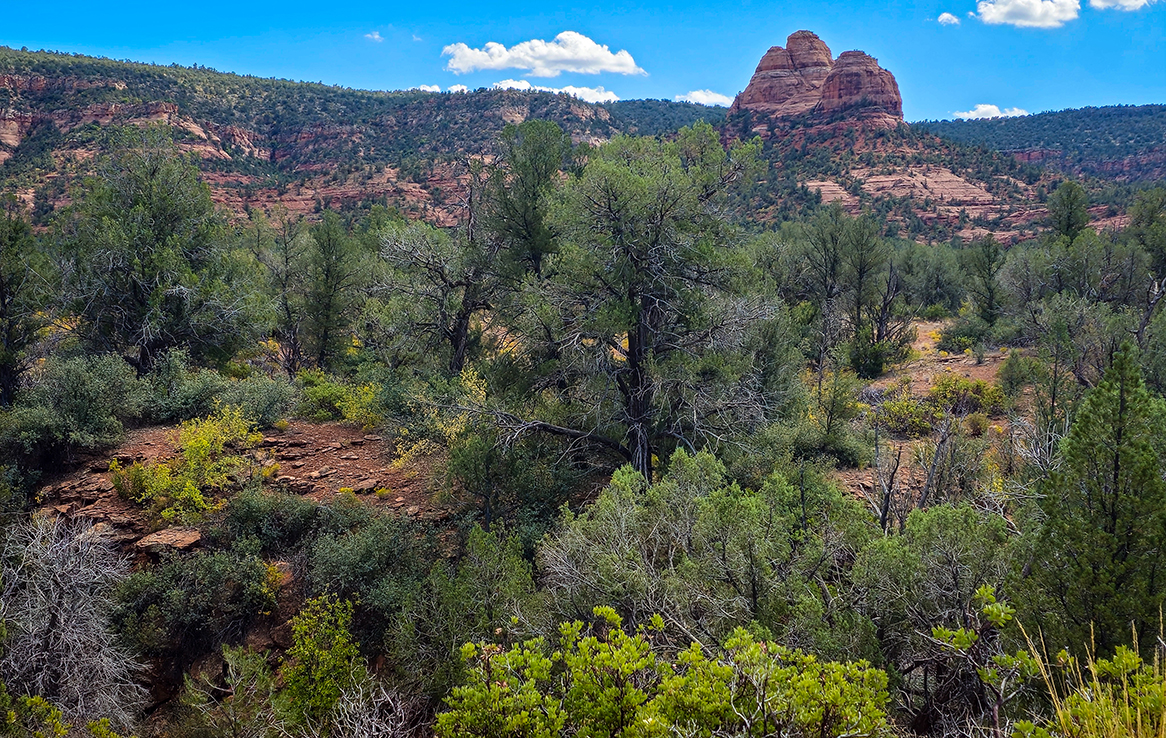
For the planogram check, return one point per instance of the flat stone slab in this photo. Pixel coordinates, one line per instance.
(179, 539)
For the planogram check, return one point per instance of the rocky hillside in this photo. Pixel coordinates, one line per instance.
(263, 141)
(834, 131)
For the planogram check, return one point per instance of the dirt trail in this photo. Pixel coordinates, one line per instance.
(928, 363)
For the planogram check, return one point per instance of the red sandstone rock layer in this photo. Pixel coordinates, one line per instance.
(804, 79)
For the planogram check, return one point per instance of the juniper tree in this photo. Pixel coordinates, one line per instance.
(146, 260)
(637, 320)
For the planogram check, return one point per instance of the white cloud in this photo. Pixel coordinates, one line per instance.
(374, 36)
(705, 97)
(427, 88)
(458, 88)
(983, 111)
(586, 94)
(416, 37)
(569, 52)
(1119, 4)
(1029, 13)
(947, 19)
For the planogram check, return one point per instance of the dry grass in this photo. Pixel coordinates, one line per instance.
(1122, 697)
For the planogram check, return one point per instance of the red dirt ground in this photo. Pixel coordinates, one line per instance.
(315, 460)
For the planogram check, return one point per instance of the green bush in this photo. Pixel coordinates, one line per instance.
(1017, 372)
(322, 398)
(697, 537)
(71, 404)
(279, 522)
(190, 603)
(827, 426)
(962, 396)
(976, 424)
(472, 599)
(250, 709)
(179, 488)
(322, 661)
(968, 331)
(903, 414)
(1101, 698)
(16, 486)
(262, 399)
(606, 682)
(379, 564)
(178, 391)
(869, 358)
(524, 483)
(934, 312)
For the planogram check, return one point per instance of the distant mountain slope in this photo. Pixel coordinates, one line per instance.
(258, 137)
(1125, 143)
(261, 142)
(658, 117)
(72, 89)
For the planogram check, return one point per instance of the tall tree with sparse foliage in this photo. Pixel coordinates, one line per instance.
(637, 317)
(22, 297)
(336, 270)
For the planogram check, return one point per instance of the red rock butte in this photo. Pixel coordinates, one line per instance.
(804, 80)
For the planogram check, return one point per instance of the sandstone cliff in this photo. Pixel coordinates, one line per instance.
(804, 80)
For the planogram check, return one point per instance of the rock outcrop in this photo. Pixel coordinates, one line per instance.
(857, 82)
(804, 80)
(788, 82)
(169, 539)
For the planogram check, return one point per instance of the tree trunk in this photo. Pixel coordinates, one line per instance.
(459, 338)
(637, 393)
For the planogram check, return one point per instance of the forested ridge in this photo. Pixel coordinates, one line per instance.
(1122, 142)
(345, 126)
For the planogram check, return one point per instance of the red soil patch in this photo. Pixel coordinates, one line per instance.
(315, 460)
(929, 363)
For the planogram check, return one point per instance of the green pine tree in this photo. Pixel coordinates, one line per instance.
(1100, 554)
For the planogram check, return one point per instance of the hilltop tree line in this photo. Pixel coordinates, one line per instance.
(643, 414)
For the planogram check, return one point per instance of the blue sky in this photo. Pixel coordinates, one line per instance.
(1030, 55)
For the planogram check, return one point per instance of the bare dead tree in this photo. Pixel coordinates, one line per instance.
(942, 445)
(372, 710)
(1040, 446)
(58, 579)
(1154, 295)
(886, 477)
